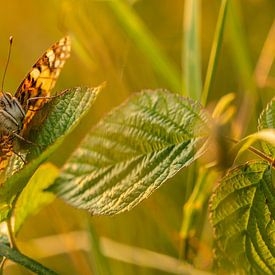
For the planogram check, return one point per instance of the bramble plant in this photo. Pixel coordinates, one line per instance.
(140, 145)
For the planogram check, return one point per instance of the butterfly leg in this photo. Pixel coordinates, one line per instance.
(44, 98)
(26, 140)
(22, 158)
(10, 149)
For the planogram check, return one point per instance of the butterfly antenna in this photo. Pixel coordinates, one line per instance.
(7, 64)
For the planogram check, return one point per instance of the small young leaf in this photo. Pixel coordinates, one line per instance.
(132, 152)
(33, 197)
(62, 116)
(242, 214)
(267, 120)
(266, 135)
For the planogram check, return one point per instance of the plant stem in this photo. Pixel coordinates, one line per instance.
(10, 234)
(25, 261)
(2, 265)
(193, 208)
(11, 241)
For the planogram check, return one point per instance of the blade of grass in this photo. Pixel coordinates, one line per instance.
(191, 58)
(215, 51)
(111, 249)
(266, 59)
(99, 262)
(146, 42)
(244, 68)
(191, 64)
(147, 258)
(239, 47)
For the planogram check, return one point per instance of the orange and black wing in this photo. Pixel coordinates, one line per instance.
(38, 83)
(42, 78)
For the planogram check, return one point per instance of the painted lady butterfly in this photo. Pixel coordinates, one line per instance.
(17, 111)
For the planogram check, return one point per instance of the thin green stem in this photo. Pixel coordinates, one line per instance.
(193, 208)
(2, 264)
(10, 234)
(25, 261)
(11, 241)
(215, 51)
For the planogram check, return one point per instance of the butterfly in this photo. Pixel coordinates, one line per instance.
(16, 112)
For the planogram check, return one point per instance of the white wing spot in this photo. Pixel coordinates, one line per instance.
(57, 63)
(50, 54)
(35, 73)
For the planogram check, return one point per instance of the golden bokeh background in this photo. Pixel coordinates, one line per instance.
(104, 49)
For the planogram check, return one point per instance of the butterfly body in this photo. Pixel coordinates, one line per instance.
(16, 112)
(12, 114)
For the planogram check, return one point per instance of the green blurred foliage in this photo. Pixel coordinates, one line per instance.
(103, 51)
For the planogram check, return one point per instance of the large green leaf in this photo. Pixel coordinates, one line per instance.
(267, 120)
(132, 152)
(62, 115)
(242, 213)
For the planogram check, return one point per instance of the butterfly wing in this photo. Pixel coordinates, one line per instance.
(41, 79)
(38, 83)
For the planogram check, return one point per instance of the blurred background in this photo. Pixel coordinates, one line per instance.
(132, 45)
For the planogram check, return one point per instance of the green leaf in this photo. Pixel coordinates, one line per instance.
(191, 49)
(267, 135)
(33, 197)
(242, 214)
(267, 120)
(62, 116)
(132, 152)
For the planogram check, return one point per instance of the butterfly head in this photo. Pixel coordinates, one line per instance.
(11, 113)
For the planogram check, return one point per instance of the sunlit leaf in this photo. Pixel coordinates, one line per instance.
(63, 114)
(242, 213)
(266, 135)
(33, 197)
(132, 152)
(267, 120)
